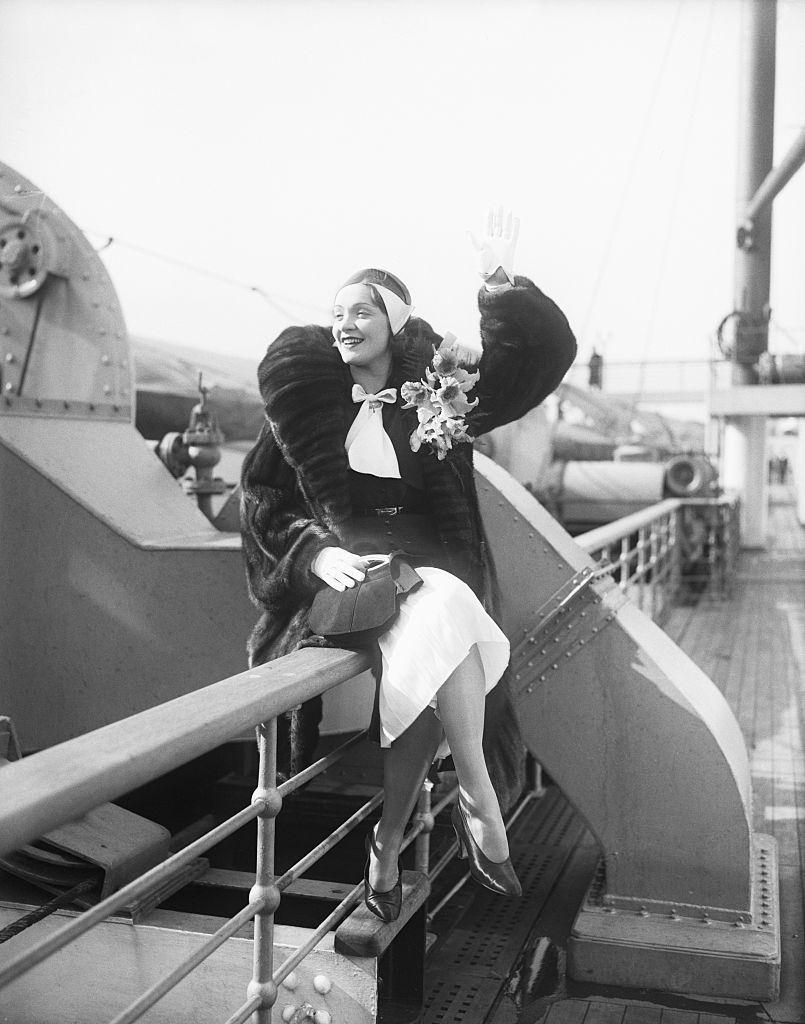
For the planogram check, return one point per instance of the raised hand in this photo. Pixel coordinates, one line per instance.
(497, 246)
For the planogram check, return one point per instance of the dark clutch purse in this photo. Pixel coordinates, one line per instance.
(356, 616)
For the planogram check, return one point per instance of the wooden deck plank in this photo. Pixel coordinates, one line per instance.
(671, 1016)
(568, 1011)
(642, 1014)
(604, 1013)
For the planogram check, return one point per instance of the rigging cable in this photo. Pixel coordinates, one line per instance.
(632, 167)
(211, 274)
(692, 110)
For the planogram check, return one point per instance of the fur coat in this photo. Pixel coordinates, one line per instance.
(295, 481)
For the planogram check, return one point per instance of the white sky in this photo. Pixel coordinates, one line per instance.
(286, 144)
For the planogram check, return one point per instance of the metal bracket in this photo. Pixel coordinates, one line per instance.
(573, 616)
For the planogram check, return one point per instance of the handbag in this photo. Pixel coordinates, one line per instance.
(356, 616)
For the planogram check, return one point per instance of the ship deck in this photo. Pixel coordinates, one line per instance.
(498, 965)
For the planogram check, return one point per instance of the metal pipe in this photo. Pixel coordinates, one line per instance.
(314, 855)
(755, 158)
(776, 180)
(241, 1015)
(323, 763)
(336, 915)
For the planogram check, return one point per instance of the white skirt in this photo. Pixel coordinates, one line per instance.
(436, 628)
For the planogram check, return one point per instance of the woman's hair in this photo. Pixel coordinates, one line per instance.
(388, 293)
(372, 276)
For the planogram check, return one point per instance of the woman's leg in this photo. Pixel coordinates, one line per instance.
(405, 765)
(462, 701)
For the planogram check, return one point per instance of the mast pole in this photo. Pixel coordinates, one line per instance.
(744, 466)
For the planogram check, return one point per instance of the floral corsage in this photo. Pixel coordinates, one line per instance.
(441, 402)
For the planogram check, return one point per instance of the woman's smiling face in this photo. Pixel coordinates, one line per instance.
(360, 327)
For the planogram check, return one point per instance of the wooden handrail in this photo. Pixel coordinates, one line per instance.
(63, 782)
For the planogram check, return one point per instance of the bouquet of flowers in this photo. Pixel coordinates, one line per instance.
(440, 400)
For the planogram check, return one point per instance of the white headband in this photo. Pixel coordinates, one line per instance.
(397, 310)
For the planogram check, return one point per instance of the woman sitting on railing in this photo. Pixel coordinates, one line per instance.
(354, 460)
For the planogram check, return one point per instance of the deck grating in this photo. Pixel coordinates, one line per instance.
(470, 961)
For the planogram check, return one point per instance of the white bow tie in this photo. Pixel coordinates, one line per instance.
(368, 446)
(387, 395)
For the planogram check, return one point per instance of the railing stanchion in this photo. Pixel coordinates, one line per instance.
(641, 569)
(425, 815)
(261, 985)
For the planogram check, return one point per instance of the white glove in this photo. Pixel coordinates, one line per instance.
(496, 248)
(338, 568)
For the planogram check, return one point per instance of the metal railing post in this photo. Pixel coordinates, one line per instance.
(641, 568)
(425, 815)
(261, 986)
(676, 551)
(653, 562)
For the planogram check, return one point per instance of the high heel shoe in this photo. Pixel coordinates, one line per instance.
(498, 876)
(385, 905)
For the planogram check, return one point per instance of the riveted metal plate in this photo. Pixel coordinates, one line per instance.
(570, 619)
(698, 955)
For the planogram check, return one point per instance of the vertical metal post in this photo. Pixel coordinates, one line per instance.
(422, 843)
(755, 160)
(641, 568)
(675, 529)
(261, 985)
(744, 436)
(653, 561)
(623, 562)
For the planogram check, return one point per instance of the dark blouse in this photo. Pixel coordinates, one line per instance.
(369, 491)
(415, 531)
